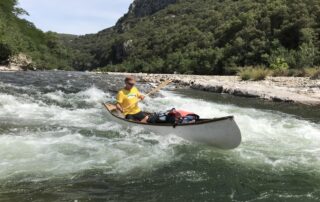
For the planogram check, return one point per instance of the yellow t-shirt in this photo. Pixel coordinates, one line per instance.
(129, 100)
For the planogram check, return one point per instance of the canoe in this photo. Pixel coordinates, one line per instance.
(222, 132)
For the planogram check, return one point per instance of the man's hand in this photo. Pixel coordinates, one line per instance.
(119, 108)
(142, 97)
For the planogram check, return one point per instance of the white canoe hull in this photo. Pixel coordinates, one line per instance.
(223, 132)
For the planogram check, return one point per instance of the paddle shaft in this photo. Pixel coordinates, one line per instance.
(162, 85)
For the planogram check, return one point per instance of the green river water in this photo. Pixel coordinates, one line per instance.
(57, 144)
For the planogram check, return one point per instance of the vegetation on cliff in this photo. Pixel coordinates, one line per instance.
(207, 37)
(184, 36)
(21, 36)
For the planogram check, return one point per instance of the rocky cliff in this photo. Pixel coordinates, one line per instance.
(141, 8)
(138, 9)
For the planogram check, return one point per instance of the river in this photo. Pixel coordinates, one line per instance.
(56, 144)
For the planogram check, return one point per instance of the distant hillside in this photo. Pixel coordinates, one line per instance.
(21, 36)
(205, 37)
(66, 38)
(185, 36)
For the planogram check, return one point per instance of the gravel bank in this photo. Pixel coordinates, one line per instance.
(278, 89)
(9, 69)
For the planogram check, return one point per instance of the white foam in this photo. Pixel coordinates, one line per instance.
(270, 140)
(56, 96)
(93, 95)
(63, 152)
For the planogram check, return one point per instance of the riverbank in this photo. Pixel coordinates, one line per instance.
(300, 90)
(9, 69)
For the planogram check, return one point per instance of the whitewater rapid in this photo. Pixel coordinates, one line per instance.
(55, 134)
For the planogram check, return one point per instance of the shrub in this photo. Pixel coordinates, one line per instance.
(316, 75)
(305, 72)
(279, 64)
(255, 74)
(259, 74)
(309, 72)
(279, 67)
(244, 74)
(279, 72)
(296, 73)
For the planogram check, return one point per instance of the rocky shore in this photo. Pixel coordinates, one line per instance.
(9, 69)
(17, 62)
(299, 90)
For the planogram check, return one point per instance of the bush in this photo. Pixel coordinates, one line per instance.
(279, 64)
(245, 74)
(316, 75)
(255, 74)
(309, 72)
(289, 72)
(295, 73)
(279, 72)
(306, 72)
(259, 74)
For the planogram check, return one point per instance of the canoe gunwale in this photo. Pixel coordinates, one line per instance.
(202, 121)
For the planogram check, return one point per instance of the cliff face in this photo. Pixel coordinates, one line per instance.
(141, 8)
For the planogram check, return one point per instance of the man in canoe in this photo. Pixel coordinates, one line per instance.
(127, 101)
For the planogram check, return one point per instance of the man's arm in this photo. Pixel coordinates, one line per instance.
(119, 101)
(119, 107)
(140, 96)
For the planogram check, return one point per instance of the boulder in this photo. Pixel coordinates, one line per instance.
(20, 62)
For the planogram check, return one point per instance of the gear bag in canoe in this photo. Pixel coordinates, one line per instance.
(174, 116)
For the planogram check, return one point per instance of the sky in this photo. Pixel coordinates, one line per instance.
(74, 16)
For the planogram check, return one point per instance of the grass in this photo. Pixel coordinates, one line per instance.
(316, 74)
(312, 72)
(254, 74)
(304, 72)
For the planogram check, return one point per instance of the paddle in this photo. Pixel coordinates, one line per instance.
(162, 85)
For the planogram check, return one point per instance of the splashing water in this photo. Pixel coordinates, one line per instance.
(55, 140)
